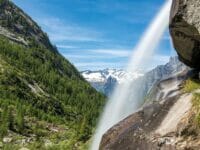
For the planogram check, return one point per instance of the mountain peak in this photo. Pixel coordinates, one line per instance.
(105, 80)
(16, 25)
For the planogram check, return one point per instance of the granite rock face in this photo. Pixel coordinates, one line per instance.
(17, 26)
(185, 31)
(163, 124)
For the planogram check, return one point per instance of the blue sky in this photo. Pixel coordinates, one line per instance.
(97, 34)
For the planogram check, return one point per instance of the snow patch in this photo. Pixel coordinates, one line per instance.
(102, 75)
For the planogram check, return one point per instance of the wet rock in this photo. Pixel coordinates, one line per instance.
(185, 30)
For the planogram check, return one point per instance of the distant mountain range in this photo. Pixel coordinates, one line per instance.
(105, 80)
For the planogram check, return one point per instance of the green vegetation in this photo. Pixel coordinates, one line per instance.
(191, 85)
(38, 85)
(196, 105)
(44, 101)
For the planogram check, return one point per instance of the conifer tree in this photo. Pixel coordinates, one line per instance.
(20, 118)
(4, 122)
(10, 118)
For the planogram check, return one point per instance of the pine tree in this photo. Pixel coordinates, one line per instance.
(20, 118)
(10, 119)
(4, 122)
(84, 130)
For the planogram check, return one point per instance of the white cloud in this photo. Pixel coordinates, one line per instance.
(155, 61)
(99, 54)
(160, 59)
(91, 65)
(98, 65)
(60, 31)
(113, 52)
(89, 56)
(65, 46)
(96, 62)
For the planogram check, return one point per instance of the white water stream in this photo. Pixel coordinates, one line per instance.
(121, 104)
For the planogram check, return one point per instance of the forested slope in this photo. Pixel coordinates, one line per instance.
(42, 95)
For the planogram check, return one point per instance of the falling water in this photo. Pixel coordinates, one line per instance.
(121, 103)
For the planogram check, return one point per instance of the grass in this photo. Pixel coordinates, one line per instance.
(196, 106)
(191, 85)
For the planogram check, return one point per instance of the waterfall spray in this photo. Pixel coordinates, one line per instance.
(124, 100)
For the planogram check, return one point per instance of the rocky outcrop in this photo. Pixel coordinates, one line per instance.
(185, 30)
(19, 27)
(163, 124)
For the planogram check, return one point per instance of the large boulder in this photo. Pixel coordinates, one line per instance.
(185, 31)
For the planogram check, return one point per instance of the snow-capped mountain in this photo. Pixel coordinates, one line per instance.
(103, 75)
(105, 80)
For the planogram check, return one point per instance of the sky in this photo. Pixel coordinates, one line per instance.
(97, 34)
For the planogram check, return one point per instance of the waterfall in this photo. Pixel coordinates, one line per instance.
(123, 101)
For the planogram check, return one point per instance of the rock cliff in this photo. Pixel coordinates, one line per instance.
(185, 30)
(163, 123)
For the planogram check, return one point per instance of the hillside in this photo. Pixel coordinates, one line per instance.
(44, 101)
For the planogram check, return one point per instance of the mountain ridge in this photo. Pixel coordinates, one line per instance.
(24, 29)
(105, 80)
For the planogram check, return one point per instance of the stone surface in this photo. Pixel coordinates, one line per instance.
(19, 27)
(164, 124)
(185, 31)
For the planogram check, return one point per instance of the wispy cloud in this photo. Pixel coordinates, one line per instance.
(99, 65)
(86, 57)
(101, 59)
(60, 31)
(98, 54)
(161, 59)
(112, 52)
(66, 46)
